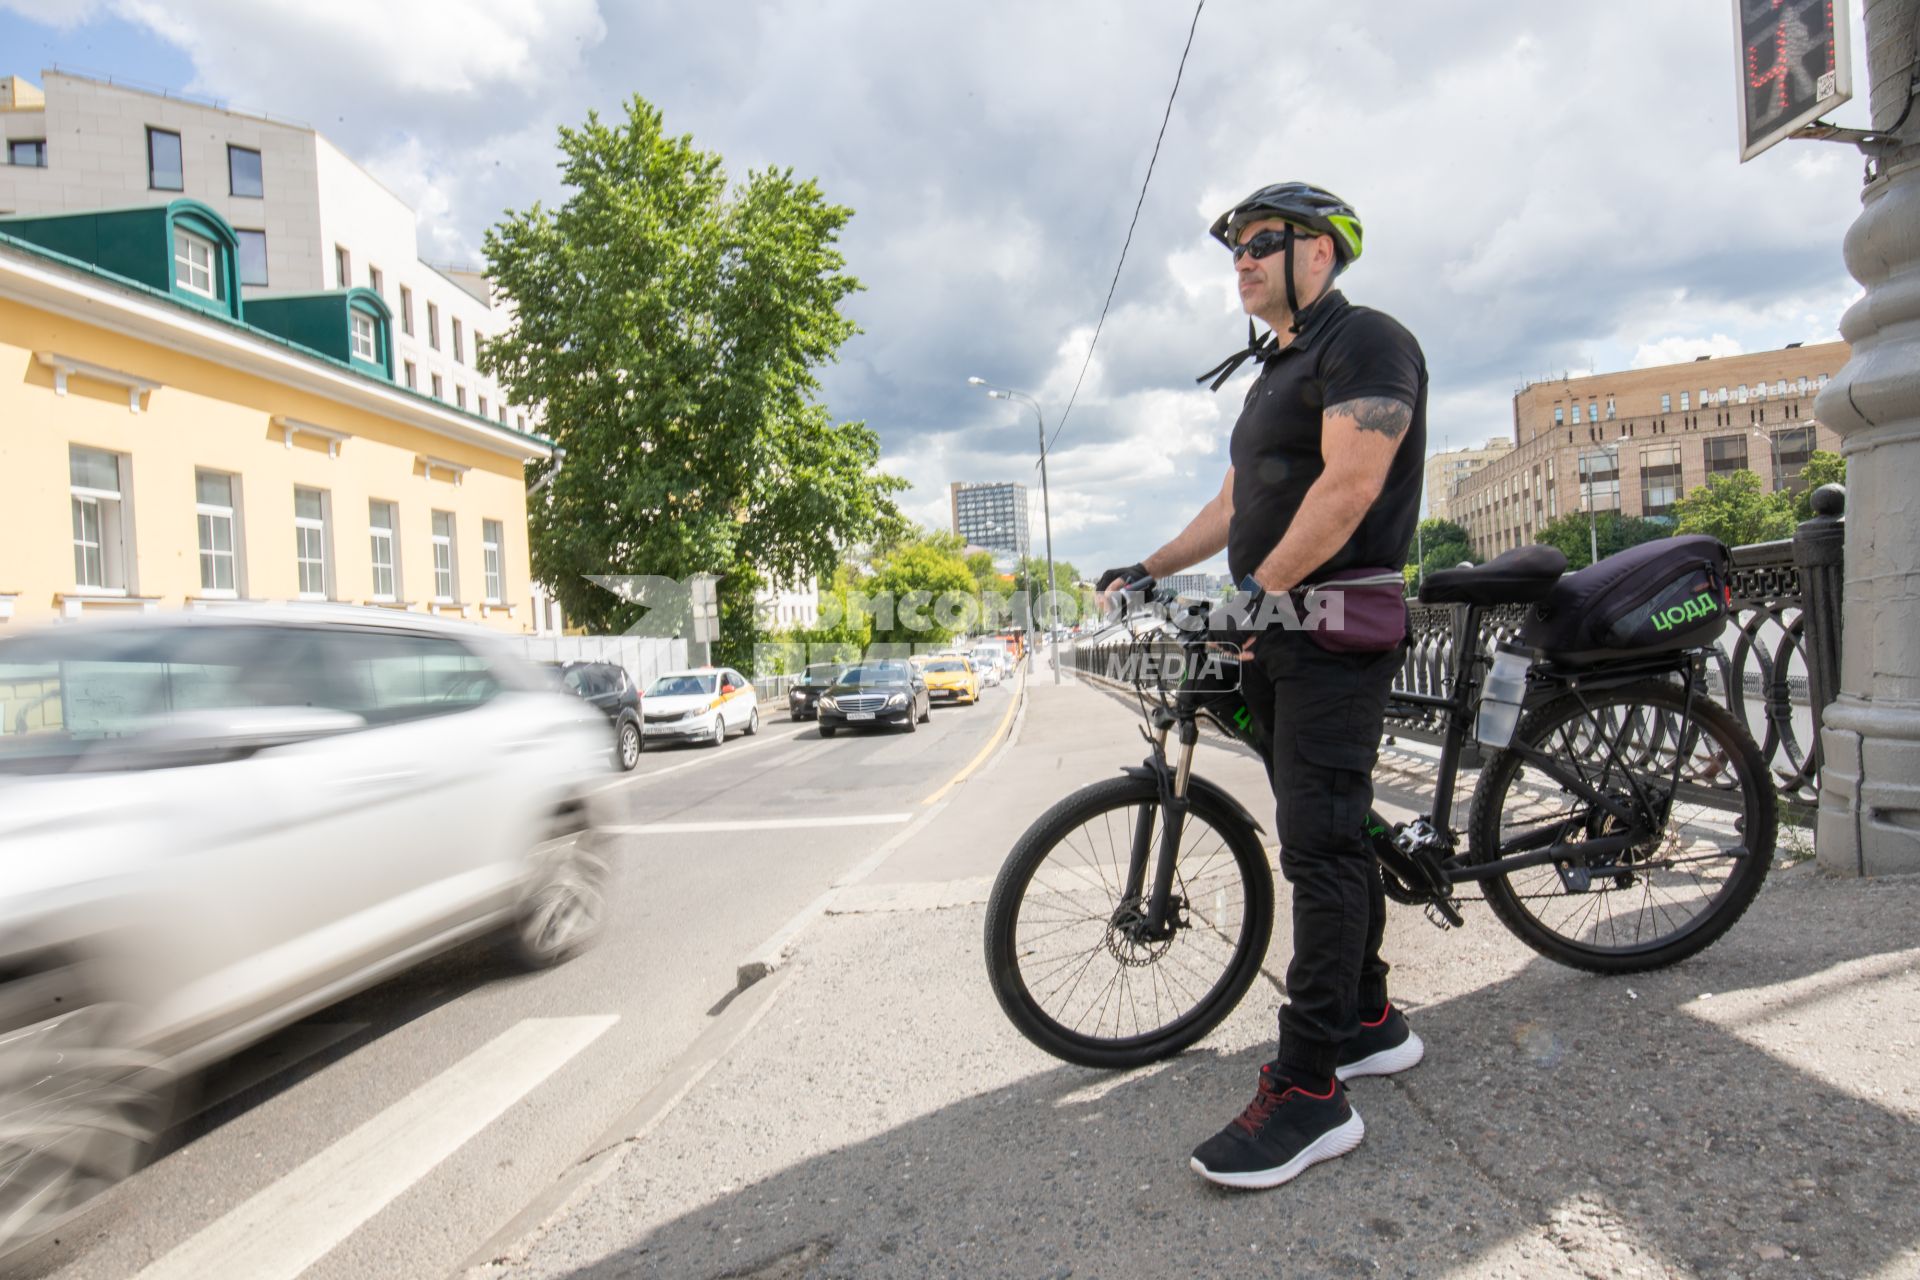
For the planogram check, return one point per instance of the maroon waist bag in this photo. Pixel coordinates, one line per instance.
(1355, 610)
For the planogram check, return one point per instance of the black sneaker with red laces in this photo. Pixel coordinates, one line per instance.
(1286, 1129)
(1384, 1046)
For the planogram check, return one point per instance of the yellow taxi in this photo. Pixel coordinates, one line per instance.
(952, 679)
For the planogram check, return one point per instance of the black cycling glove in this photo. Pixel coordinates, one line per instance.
(1131, 576)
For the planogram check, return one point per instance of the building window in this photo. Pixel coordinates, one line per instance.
(1800, 384)
(1659, 479)
(1792, 450)
(459, 396)
(310, 541)
(406, 311)
(1726, 454)
(1723, 395)
(1740, 394)
(1666, 402)
(30, 153)
(503, 415)
(490, 556)
(342, 268)
(519, 422)
(193, 260)
(243, 172)
(99, 524)
(438, 393)
(1600, 479)
(1576, 415)
(376, 281)
(163, 161)
(412, 375)
(443, 567)
(1686, 401)
(252, 255)
(1610, 411)
(364, 347)
(433, 326)
(483, 406)
(1559, 416)
(1593, 410)
(214, 507)
(458, 353)
(381, 525)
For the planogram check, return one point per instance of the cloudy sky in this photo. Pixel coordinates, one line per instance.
(1544, 187)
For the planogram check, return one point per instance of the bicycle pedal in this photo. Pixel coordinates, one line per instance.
(1445, 915)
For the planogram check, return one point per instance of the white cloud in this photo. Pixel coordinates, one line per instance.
(1544, 187)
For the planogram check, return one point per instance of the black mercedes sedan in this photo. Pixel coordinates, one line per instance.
(874, 693)
(813, 682)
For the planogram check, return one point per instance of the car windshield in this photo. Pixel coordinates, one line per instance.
(949, 664)
(680, 686)
(825, 673)
(875, 673)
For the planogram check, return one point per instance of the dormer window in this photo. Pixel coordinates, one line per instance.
(193, 264)
(364, 346)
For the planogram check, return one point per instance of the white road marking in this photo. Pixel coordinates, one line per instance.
(706, 755)
(294, 1223)
(760, 824)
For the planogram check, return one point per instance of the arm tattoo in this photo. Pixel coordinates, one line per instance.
(1377, 413)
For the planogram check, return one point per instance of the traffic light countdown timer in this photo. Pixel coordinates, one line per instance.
(1795, 65)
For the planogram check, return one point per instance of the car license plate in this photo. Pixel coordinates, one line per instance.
(859, 715)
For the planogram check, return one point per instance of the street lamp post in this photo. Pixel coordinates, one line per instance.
(1593, 521)
(1773, 444)
(1046, 506)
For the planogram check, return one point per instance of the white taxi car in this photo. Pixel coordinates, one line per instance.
(703, 705)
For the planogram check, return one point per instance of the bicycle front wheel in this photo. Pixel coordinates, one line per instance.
(1068, 957)
(1703, 830)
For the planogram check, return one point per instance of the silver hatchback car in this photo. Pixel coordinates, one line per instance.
(213, 825)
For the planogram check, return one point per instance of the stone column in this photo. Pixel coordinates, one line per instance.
(1869, 821)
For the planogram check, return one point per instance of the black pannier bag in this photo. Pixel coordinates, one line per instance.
(1673, 593)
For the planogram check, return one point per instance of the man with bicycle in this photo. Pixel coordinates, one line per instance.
(1323, 487)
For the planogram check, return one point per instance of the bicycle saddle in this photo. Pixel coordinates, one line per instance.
(1520, 576)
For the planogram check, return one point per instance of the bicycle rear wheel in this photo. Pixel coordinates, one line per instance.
(1707, 827)
(1066, 957)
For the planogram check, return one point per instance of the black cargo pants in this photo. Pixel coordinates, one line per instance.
(1327, 711)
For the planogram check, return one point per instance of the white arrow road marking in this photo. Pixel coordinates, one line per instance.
(292, 1224)
(760, 824)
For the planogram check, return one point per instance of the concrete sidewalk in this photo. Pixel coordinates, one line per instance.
(1752, 1112)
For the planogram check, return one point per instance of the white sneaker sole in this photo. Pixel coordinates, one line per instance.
(1329, 1145)
(1384, 1063)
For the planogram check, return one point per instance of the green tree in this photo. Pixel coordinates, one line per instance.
(1434, 532)
(670, 329)
(1615, 532)
(1823, 467)
(920, 578)
(1734, 509)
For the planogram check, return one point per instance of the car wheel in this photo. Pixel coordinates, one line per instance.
(82, 1112)
(926, 717)
(719, 735)
(826, 730)
(912, 724)
(753, 722)
(566, 908)
(627, 753)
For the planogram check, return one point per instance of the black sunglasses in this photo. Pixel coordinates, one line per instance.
(1268, 242)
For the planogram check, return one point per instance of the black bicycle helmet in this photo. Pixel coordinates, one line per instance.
(1302, 204)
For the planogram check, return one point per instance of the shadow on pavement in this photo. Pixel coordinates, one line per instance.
(1563, 1124)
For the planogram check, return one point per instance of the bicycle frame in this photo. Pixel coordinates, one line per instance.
(1425, 874)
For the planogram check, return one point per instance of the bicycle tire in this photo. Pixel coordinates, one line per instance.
(1640, 717)
(1007, 947)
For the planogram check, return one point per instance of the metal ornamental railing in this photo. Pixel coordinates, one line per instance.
(1776, 667)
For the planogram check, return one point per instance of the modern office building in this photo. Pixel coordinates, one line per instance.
(306, 218)
(1636, 441)
(992, 516)
(166, 442)
(1445, 470)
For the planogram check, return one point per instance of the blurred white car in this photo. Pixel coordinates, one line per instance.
(702, 705)
(212, 825)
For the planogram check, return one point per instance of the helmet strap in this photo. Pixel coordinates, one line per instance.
(1293, 299)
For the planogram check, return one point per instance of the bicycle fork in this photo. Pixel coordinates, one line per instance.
(1158, 908)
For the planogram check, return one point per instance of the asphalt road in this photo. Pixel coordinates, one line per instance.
(395, 1133)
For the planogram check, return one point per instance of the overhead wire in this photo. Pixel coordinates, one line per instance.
(1138, 204)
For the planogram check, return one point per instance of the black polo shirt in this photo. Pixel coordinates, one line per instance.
(1341, 353)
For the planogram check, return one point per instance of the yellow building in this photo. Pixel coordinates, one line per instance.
(164, 444)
